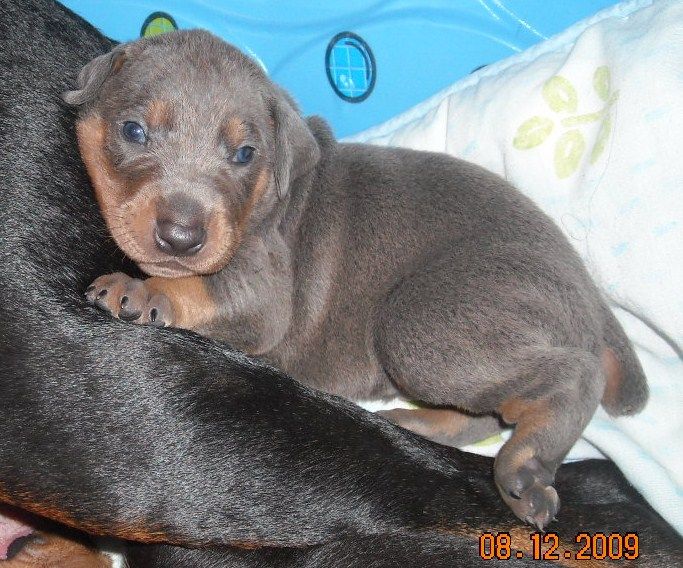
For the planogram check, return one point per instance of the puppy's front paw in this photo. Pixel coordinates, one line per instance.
(130, 299)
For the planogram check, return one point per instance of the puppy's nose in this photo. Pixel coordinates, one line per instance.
(179, 240)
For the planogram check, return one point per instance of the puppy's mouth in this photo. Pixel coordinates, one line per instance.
(170, 268)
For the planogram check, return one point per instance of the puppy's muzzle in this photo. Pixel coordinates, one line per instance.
(178, 239)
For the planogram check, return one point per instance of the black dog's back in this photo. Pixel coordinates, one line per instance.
(602, 507)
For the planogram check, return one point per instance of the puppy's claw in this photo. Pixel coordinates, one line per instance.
(154, 318)
(161, 311)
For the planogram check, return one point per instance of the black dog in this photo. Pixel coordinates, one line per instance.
(161, 436)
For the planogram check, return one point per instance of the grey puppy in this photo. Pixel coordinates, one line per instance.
(366, 272)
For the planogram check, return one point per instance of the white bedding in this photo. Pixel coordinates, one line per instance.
(590, 125)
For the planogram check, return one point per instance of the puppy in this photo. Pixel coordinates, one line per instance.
(366, 272)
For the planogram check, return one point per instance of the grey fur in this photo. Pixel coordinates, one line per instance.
(371, 272)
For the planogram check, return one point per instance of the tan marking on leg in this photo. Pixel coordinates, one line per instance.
(522, 456)
(444, 425)
(193, 306)
(512, 409)
(614, 377)
(528, 415)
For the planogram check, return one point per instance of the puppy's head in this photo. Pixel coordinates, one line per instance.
(189, 147)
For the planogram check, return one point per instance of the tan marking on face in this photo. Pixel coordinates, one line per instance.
(128, 210)
(255, 196)
(111, 192)
(135, 218)
(193, 306)
(92, 133)
(159, 114)
(431, 423)
(235, 132)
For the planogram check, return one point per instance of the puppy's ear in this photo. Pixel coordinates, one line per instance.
(94, 74)
(296, 150)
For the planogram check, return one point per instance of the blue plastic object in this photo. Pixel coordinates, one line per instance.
(351, 67)
(399, 51)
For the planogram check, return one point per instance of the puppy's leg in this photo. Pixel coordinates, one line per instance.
(445, 425)
(485, 332)
(560, 390)
(177, 302)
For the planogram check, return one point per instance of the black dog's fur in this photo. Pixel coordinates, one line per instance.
(160, 436)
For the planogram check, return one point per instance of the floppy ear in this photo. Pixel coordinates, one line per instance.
(94, 74)
(296, 150)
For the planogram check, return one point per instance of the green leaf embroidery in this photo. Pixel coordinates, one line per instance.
(601, 140)
(601, 82)
(560, 94)
(568, 152)
(532, 132)
(579, 119)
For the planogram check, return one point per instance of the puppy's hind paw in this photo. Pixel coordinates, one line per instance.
(530, 495)
(130, 299)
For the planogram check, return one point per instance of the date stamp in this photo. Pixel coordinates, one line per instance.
(548, 546)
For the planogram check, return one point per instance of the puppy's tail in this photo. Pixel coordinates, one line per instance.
(626, 389)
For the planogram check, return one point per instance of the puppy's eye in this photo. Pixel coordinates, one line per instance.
(133, 132)
(244, 155)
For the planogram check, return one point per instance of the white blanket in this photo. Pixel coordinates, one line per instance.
(590, 125)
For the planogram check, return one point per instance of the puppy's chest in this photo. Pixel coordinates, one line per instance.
(302, 321)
